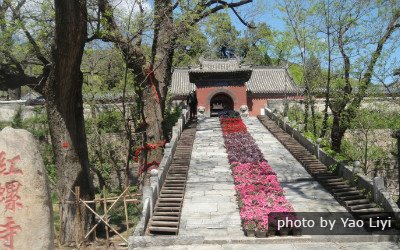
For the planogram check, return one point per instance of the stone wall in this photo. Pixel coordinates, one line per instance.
(386, 104)
(8, 109)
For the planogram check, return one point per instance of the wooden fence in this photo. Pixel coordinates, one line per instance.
(125, 197)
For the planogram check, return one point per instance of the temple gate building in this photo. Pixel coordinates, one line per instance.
(225, 84)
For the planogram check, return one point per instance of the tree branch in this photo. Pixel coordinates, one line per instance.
(36, 48)
(248, 25)
(134, 55)
(203, 12)
(176, 4)
(11, 79)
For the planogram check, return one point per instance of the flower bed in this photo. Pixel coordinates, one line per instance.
(258, 190)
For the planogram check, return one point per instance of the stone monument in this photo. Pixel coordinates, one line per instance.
(26, 220)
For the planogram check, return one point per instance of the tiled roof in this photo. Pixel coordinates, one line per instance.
(263, 80)
(221, 65)
(180, 83)
(271, 80)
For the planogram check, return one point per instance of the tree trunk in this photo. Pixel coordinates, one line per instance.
(314, 125)
(337, 133)
(328, 90)
(63, 92)
(306, 114)
(154, 97)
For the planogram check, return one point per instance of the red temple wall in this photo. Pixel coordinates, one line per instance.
(255, 104)
(237, 93)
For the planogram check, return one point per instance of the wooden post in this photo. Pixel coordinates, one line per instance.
(95, 207)
(78, 216)
(105, 215)
(126, 216)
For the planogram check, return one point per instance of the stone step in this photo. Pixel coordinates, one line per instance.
(371, 210)
(348, 193)
(175, 181)
(164, 213)
(164, 195)
(362, 206)
(165, 218)
(171, 191)
(170, 199)
(167, 209)
(174, 184)
(163, 229)
(168, 204)
(351, 197)
(335, 183)
(163, 223)
(330, 180)
(339, 186)
(341, 190)
(357, 202)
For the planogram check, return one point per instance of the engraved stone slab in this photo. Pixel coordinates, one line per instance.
(26, 215)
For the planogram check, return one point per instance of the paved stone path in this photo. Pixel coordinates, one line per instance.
(305, 194)
(288, 246)
(209, 207)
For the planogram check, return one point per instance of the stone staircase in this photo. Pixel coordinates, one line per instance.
(353, 199)
(167, 211)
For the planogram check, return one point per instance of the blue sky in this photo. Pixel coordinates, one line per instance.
(273, 17)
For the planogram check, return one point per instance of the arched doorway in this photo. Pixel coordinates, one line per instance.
(220, 102)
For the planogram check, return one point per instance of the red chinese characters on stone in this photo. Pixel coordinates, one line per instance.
(9, 164)
(9, 195)
(8, 231)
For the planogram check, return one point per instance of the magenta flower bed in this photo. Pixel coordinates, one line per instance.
(258, 190)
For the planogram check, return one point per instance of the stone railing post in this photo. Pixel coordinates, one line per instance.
(148, 194)
(154, 180)
(378, 186)
(319, 140)
(356, 166)
(285, 121)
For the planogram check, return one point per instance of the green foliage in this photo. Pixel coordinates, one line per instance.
(17, 121)
(376, 119)
(4, 124)
(221, 32)
(104, 71)
(189, 48)
(107, 144)
(295, 114)
(110, 121)
(333, 168)
(170, 118)
(49, 162)
(296, 72)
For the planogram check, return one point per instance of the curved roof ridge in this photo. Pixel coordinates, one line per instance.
(268, 67)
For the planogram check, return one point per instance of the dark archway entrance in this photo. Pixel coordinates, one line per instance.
(220, 102)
